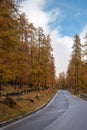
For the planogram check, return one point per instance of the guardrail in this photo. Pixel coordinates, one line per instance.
(83, 96)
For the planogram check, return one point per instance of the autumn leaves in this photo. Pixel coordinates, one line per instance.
(25, 51)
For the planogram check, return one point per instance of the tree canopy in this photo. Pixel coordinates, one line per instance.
(25, 51)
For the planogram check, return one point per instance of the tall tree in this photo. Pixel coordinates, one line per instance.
(61, 81)
(85, 48)
(8, 38)
(84, 70)
(73, 73)
(32, 53)
(40, 45)
(25, 51)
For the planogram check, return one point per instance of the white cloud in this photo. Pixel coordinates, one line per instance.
(62, 45)
(82, 34)
(52, 15)
(84, 30)
(62, 50)
(34, 10)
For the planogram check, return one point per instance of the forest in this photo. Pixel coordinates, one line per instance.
(25, 51)
(32, 95)
(26, 56)
(75, 78)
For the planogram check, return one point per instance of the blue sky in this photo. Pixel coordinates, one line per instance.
(62, 19)
(74, 15)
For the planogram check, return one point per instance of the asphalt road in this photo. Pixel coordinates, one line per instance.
(64, 112)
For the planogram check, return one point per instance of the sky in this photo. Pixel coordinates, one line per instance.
(62, 19)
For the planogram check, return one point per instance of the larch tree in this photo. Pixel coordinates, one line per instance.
(85, 63)
(74, 72)
(32, 53)
(25, 51)
(40, 37)
(85, 49)
(8, 38)
(61, 81)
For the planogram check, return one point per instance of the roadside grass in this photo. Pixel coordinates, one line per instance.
(24, 103)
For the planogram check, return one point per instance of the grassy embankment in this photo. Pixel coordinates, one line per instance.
(24, 103)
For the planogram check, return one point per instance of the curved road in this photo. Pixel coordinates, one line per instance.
(64, 112)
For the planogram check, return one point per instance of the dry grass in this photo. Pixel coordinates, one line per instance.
(23, 103)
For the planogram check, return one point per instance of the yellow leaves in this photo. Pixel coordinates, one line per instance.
(25, 51)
